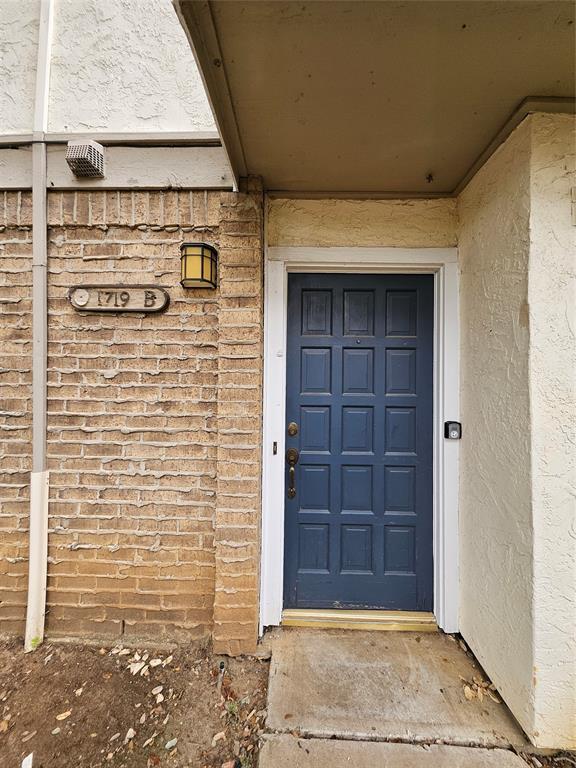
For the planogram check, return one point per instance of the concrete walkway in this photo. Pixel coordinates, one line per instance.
(350, 694)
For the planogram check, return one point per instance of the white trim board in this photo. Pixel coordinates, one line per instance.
(131, 138)
(147, 168)
(16, 168)
(443, 263)
(140, 167)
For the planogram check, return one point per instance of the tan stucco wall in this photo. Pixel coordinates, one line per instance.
(517, 544)
(496, 612)
(552, 301)
(330, 222)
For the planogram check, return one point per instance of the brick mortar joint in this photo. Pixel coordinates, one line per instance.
(142, 227)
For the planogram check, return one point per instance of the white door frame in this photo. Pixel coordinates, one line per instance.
(443, 264)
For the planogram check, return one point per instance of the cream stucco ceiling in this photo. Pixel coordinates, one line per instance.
(374, 97)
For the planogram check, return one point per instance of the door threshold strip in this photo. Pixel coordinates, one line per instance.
(324, 618)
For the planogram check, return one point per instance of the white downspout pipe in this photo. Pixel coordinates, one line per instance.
(38, 543)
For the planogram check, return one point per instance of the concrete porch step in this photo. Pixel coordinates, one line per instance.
(381, 686)
(284, 750)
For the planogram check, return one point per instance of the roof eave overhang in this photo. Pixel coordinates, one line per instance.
(198, 22)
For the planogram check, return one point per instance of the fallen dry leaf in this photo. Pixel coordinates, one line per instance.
(479, 689)
(150, 740)
(494, 698)
(170, 744)
(218, 737)
(64, 715)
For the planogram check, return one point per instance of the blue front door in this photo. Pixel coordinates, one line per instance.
(359, 414)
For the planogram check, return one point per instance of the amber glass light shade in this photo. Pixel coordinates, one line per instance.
(199, 262)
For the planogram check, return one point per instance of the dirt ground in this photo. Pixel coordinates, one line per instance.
(86, 707)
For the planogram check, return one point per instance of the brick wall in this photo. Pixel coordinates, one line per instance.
(154, 422)
(15, 404)
(238, 468)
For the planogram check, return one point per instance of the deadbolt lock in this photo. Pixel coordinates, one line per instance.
(292, 456)
(292, 429)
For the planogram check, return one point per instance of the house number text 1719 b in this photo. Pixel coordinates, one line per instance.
(118, 298)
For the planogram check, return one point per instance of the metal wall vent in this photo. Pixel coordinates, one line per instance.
(86, 158)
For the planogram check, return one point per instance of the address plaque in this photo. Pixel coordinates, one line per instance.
(118, 298)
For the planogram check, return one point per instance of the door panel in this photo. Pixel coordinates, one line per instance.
(359, 386)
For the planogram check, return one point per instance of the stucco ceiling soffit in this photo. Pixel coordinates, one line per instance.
(380, 97)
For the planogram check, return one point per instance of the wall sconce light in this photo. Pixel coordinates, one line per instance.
(199, 262)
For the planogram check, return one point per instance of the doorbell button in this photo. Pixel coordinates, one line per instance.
(452, 430)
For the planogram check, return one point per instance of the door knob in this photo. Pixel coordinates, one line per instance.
(292, 456)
